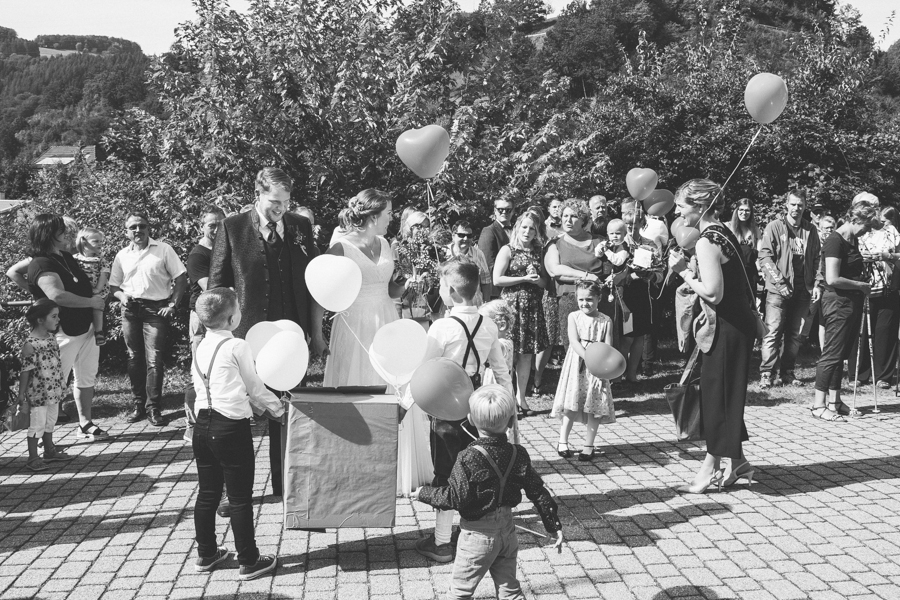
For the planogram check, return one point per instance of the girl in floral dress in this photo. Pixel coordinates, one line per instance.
(41, 384)
(89, 244)
(580, 396)
(519, 271)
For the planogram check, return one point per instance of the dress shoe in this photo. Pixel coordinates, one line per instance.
(156, 418)
(224, 509)
(138, 414)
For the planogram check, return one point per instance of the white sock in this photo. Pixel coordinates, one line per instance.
(443, 527)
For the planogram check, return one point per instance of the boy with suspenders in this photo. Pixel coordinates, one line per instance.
(485, 485)
(472, 341)
(228, 392)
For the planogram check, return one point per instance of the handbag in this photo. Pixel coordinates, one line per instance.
(16, 419)
(684, 402)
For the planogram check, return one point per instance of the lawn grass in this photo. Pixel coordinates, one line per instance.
(112, 401)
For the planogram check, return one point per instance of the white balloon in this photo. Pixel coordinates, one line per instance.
(283, 362)
(288, 325)
(260, 334)
(334, 281)
(397, 350)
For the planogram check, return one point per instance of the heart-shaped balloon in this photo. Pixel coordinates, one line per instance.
(424, 150)
(641, 182)
(659, 202)
(765, 97)
(676, 225)
(687, 237)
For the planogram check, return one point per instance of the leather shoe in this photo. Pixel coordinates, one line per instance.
(138, 414)
(156, 418)
(224, 509)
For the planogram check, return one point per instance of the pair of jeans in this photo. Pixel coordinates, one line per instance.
(840, 314)
(223, 449)
(145, 334)
(784, 318)
(885, 314)
(488, 545)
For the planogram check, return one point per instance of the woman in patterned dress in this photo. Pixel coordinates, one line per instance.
(518, 270)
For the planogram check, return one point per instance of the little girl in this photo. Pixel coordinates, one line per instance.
(89, 244)
(41, 384)
(501, 313)
(579, 395)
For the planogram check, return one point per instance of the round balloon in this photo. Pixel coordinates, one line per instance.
(687, 237)
(260, 334)
(765, 97)
(397, 350)
(424, 150)
(283, 361)
(641, 182)
(604, 361)
(659, 202)
(441, 388)
(334, 281)
(675, 226)
(288, 325)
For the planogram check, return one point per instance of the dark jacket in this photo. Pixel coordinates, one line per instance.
(775, 250)
(239, 261)
(492, 238)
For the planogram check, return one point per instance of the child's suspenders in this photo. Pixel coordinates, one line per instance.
(205, 378)
(503, 476)
(470, 346)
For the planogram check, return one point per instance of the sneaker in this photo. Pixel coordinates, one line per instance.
(57, 455)
(442, 553)
(36, 464)
(204, 565)
(884, 385)
(264, 564)
(765, 381)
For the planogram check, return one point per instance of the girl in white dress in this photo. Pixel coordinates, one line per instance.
(366, 220)
(580, 396)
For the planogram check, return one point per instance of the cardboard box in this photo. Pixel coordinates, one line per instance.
(340, 458)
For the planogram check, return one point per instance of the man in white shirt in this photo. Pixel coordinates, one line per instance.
(149, 279)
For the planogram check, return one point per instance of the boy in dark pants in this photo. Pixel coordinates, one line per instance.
(485, 485)
(228, 392)
(472, 341)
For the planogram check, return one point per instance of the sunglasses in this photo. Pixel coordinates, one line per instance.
(504, 211)
(464, 236)
(139, 227)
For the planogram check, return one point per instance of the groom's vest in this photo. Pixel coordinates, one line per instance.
(280, 281)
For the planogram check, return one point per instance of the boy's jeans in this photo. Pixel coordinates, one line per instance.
(486, 545)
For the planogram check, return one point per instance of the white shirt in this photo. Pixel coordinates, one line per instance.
(264, 221)
(146, 274)
(447, 339)
(233, 381)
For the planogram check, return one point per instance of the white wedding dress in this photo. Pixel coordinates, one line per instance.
(348, 363)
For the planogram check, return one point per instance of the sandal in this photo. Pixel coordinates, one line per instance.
(586, 457)
(564, 453)
(840, 408)
(825, 414)
(526, 412)
(99, 338)
(90, 431)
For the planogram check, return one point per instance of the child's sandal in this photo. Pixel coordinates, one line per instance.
(90, 431)
(99, 338)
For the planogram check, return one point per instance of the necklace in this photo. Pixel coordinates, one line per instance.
(62, 261)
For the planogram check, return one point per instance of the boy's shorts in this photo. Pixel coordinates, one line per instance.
(488, 545)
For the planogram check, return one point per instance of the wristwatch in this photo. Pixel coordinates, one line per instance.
(171, 304)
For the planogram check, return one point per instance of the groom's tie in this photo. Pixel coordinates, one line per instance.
(273, 232)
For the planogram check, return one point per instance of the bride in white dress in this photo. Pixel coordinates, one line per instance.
(366, 219)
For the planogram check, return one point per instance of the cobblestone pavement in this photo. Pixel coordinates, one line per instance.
(821, 521)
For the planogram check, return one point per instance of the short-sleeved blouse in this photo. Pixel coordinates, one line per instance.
(46, 385)
(852, 264)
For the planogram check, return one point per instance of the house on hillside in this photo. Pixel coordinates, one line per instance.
(63, 155)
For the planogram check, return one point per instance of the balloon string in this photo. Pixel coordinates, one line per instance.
(736, 167)
(350, 329)
(429, 199)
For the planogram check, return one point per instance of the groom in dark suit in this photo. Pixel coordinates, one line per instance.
(262, 254)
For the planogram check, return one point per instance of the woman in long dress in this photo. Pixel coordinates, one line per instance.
(722, 286)
(366, 220)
